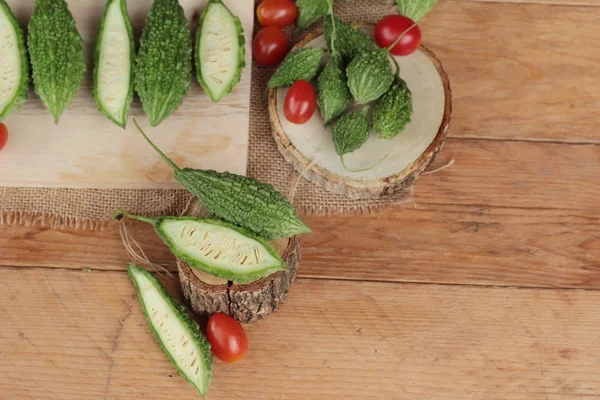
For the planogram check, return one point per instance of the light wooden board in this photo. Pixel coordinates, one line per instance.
(517, 71)
(74, 335)
(87, 150)
(507, 213)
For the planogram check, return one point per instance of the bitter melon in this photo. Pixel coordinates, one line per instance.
(179, 337)
(114, 57)
(309, 11)
(216, 247)
(349, 41)
(56, 52)
(393, 111)
(369, 75)
(219, 50)
(163, 67)
(243, 201)
(299, 64)
(14, 67)
(333, 95)
(351, 131)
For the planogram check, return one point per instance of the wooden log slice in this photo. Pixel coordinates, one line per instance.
(309, 148)
(246, 302)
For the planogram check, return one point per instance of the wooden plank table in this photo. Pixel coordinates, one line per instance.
(486, 288)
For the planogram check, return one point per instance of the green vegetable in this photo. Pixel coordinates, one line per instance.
(333, 95)
(179, 336)
(240, 200)
(369, 76)
(415, 9)
(216, 247)
(299, 64)
(14, 67)
(164, 66)
(114, 57)
(56, 52)
(351, 131)
(219, 50)
(392, 112)
(309, 11)
(349, 41)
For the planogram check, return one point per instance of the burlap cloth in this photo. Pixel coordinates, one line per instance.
(92, 208)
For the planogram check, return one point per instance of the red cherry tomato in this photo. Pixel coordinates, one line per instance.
(270, 46)
(3, 135)
(276, 13)
(300, 102)
(389, 28)
(227, 338)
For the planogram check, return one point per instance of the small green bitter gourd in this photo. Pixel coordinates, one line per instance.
(216, 247)
(393, 111)
(309, 11)
(299, 64)
(163, 68)
(114, 61)
(240, 200)
(56, 53)
(349, 41)
(333, 95)
(178, 335)
(220, 51)
(370, 75)
(14, 67)
(351, 131)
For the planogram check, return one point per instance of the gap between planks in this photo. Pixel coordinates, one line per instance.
(306, 278)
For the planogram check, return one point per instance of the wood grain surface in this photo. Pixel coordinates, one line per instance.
(87, 150)
(517, 71)
(498, 248)
(72, 335)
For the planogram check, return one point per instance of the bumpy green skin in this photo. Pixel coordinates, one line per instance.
(333, 95)
(309, 11)
(299, 64)
(211, 269)
(56, 52)
(369, 75)
(415, 9)
(349, 41)
(181, 314)
(244, 201)
(241, 53)
(21, 94)
(163, 67)
(351, 131)
(123, 122)
(393, 111)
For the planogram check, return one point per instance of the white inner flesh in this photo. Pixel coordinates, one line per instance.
(219, 246)
(175, 336)
(10, 61)
(314, 141)
(114, 67)
(219, 49)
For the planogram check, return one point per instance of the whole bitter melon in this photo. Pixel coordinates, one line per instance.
(333, 95)
(163, 69)
(14, 65)
(393, 111)
(56, 52)
(243, 201)
(299, 64)
(349, 41)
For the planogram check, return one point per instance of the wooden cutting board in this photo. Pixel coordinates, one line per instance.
(86, 150)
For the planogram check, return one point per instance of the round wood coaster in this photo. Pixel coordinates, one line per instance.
(246, 302)
(310, 150)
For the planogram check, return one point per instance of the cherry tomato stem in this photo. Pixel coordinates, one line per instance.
(227, 338)
(399, 34)
(300, 102)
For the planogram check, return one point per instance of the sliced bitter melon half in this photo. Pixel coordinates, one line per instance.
(178, 335)
(217, 247)
(219, 50)
(14, 66)
(114, 57)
